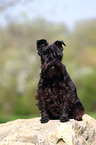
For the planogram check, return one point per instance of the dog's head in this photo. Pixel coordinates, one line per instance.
(50, 52)
(51, 55)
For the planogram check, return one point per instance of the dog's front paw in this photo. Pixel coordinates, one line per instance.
(78, 118)
(64, 118)
(44, 120)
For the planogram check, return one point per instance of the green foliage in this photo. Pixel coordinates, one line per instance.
(88, 91)
(20, 64)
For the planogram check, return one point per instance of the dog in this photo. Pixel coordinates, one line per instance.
(56, 94)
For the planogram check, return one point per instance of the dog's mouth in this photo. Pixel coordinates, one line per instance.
(53, 64)
(52, 69)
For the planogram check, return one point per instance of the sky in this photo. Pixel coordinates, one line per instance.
(60, 11)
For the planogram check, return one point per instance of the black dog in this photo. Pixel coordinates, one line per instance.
(56, 94)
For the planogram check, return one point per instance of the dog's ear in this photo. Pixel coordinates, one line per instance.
(59, 43)
(41, 43)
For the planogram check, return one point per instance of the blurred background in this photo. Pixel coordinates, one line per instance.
(22, 22)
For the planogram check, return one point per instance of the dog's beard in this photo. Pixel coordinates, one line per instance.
(52, 69)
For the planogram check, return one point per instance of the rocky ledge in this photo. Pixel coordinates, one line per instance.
(32, 132)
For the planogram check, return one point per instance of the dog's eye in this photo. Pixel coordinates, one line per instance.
(45, 52)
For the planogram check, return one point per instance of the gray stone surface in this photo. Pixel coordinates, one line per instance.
(32, 132)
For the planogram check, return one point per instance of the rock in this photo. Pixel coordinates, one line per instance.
(32, 132)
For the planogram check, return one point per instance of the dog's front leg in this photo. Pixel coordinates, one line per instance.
(64, 113)
(44, 115)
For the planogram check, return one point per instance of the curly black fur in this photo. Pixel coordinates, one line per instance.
(56, 93)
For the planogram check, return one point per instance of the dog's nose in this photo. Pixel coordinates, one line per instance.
(52, 55)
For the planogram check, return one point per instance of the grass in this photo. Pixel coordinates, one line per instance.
(92, 114)
(7, 118)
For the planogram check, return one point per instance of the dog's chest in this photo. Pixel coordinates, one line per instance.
(54, 93)
(53, 90)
